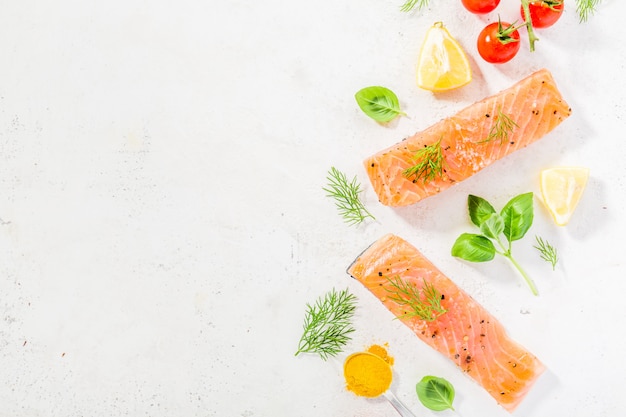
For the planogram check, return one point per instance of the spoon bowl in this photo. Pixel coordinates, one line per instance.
(379, 367)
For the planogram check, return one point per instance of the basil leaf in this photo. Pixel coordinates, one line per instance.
(473, 248)
(518, 216)
(493, 226)
(435, 393)
(479, 209)
(379, 103)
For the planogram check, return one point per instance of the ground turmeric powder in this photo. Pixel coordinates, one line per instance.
(381, 351)
(368, 374)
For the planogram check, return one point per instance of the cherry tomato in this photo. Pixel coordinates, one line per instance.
(498, 42)
(480, 6)
(545, 13)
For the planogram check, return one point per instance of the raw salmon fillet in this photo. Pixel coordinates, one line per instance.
(466, 333)
(534, 104)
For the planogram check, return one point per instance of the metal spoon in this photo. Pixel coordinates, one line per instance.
(397, 404)
(387, 393)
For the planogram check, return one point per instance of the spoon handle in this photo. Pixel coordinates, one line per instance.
(400, 408)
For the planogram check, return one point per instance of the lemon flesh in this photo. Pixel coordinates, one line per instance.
(442, 64)
(561, 189)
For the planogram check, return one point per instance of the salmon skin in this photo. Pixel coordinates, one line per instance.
(534, 105)
(466, 333)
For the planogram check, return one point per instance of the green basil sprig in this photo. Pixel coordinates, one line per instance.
(435, 393)
(379, 103)
(512, 222)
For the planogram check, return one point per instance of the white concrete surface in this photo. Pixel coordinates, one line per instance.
(164, 224)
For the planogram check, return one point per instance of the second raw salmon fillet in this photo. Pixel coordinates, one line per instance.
(469, 141)
(447, 318)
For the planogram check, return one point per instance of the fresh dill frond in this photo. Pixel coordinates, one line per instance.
(328, 324)
(547, 251)
(585, 8)
(502, 126)
(429, 163)
(346, 195)
(412, 4)
(424, 303)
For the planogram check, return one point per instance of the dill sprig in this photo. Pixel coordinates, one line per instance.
(328, 324)
(502, 126)
(429, 163)
(346, 195)
(412, 4)
(424, 303)
(547, 251)
(585, 8)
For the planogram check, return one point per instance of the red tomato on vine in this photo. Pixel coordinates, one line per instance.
(544, 13)
(480, 6)
(498, 42)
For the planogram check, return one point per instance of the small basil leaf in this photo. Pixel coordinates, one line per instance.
(518, 216)
(493, 226)
(479, 209)
(473, 248)
(379, 103)
(435, 393)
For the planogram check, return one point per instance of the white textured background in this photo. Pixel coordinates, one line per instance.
(163, 222)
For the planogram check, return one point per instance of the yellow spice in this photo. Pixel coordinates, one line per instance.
(368, 374)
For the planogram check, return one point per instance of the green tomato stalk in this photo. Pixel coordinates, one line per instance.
(532, 38)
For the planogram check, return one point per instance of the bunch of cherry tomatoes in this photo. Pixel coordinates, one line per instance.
(499, 41)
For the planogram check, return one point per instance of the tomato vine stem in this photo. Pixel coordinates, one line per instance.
(532, 38)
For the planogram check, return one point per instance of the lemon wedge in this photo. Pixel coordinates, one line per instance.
(442, 64)
(561, 189)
